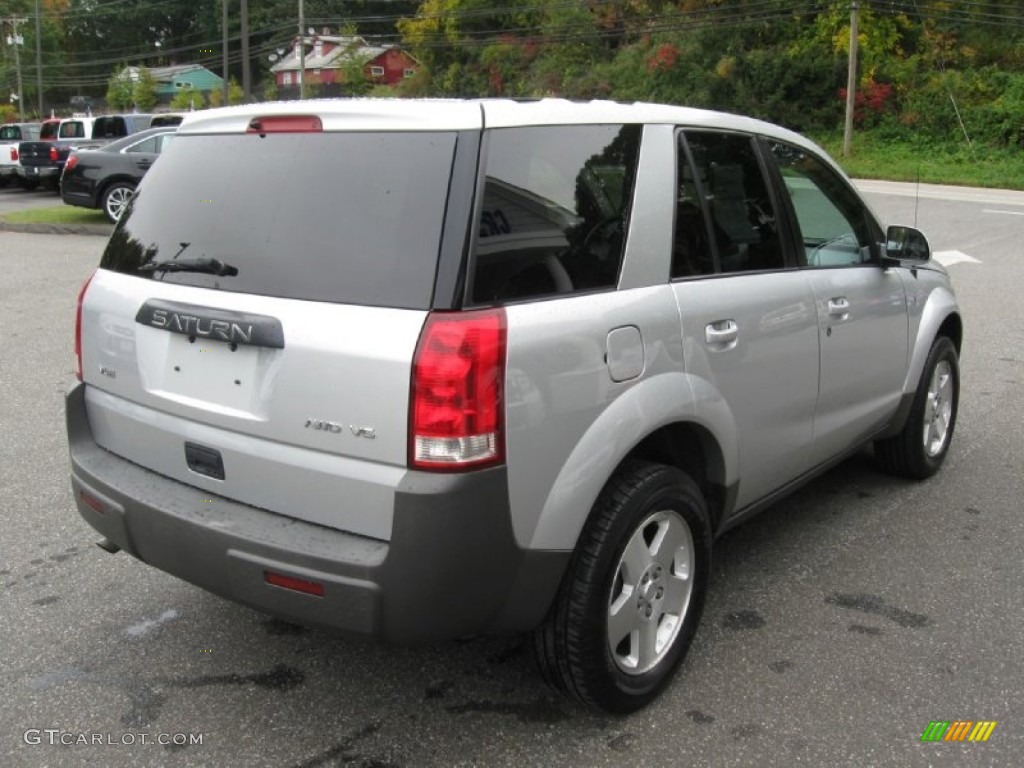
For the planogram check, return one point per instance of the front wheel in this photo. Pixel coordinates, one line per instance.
(631, 600)
(919, 449)
(116, 198)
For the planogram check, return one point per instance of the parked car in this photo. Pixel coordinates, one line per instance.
(10, 158)
(12, 134)
(106, 178)
(418, 370)
(41, 162)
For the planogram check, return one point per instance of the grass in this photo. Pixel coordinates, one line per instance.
(878, 157)
(57, 214)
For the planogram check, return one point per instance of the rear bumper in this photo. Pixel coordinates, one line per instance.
(451, 568)
(39, 171)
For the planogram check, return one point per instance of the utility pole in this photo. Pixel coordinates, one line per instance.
(224, 50)
(851, 80)
(39, 61)
(302, 51)
(246, 64)
(15, 40)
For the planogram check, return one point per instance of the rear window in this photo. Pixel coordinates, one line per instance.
(353, 218)
(10, 133)
(49, 131)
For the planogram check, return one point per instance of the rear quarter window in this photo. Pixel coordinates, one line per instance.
(554, 210)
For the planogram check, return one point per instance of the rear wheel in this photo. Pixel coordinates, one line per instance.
(919, 450)
(115, 198)
(632, 598)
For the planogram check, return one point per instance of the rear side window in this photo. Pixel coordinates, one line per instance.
(109, 128)
(555, 210)
(342, 217)
(743, 220)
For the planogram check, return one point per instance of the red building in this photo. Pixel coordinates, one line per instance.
(328, 57)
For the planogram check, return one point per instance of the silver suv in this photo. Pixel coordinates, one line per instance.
(419, 369)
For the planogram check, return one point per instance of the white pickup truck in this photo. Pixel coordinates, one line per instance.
(11, 135)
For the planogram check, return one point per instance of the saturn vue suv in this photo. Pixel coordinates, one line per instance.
(418, 370)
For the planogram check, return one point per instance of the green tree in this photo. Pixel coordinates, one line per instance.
(187, 99)
(144, 91)
(120, 90)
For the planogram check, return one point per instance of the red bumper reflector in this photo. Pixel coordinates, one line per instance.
(92, 502)
(294, 584)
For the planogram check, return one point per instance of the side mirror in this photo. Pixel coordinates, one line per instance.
(906, 244)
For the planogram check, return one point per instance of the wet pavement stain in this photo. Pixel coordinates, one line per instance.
(972, 510)
(744, 619)
(624, 742)
(876, 606)
(50, 600)
(528, 712)
(861, 629)
(280, 678)
(700, 718)
(342, 752)
(780, 667)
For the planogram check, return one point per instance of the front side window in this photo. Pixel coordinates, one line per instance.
(555, 210)
(835, 227)
(743, 220)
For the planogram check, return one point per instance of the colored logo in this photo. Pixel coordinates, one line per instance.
(958, 730)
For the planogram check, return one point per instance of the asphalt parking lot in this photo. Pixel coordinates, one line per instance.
(839, 623)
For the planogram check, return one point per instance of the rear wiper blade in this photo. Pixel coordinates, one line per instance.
(210, 266)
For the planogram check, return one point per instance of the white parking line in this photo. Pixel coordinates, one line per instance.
(1006, 213)
(946, 258)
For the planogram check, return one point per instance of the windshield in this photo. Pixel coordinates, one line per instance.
(343, 217)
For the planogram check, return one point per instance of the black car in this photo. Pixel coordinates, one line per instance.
(106, 177)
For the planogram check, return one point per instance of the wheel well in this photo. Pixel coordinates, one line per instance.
(110, 182)
(953, 328)
(694, 450)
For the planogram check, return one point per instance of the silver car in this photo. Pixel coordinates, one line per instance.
(422, 369)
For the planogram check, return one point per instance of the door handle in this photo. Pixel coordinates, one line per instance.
(721, 332)
(839, 306)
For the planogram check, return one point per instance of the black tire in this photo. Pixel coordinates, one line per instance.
(114, 199)
(915, 453)
(573, 647)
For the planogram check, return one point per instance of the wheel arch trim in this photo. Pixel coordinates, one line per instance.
(651, 405)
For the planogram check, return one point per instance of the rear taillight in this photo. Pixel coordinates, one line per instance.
(78, 327)
(14, 154)
(53, 154)
(71, 163)
(456, 414)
